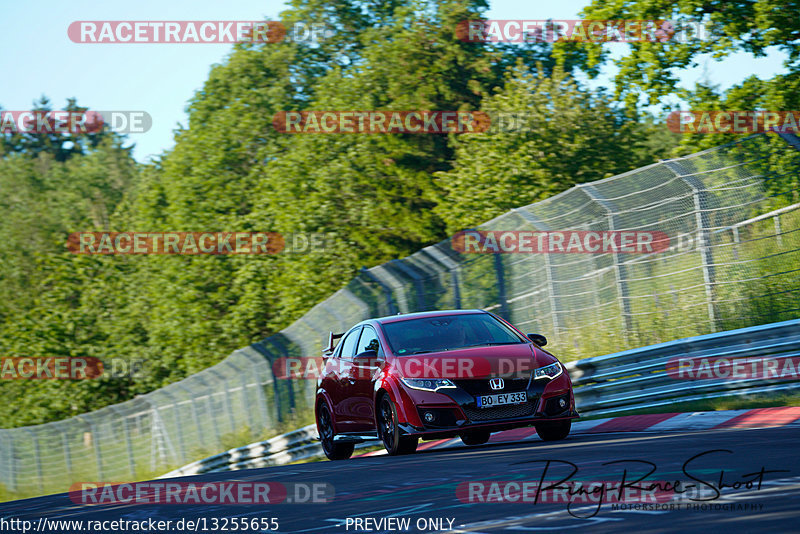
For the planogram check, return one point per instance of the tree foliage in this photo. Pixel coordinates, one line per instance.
(653, 69)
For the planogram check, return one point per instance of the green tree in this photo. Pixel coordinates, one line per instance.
(653, 69)
(61, 145)
(568, 136)
(43, 291)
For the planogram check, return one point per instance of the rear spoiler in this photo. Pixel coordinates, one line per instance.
(332, 338)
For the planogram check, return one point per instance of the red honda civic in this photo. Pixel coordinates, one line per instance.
(434, 375)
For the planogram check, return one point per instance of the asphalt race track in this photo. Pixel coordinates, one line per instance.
(423, 486)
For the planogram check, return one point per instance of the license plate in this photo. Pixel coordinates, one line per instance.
(488, 401)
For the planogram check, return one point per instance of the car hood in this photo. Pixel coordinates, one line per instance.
(507, 361)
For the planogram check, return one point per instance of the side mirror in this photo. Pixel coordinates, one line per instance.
(327, 352)
(368, 357)
(539, 339)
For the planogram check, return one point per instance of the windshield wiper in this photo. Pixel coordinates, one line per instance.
(426, 351)
(489, 343)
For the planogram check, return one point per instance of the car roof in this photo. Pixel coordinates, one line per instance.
(418, 315)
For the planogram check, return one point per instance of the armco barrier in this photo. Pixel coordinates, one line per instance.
(628, 380)
(638, 378)
(300, 444)
(286, 448)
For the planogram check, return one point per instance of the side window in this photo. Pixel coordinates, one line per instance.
(368, 341)
(348, 344)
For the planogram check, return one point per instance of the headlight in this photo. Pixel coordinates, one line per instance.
(548, 371)
(428, 384)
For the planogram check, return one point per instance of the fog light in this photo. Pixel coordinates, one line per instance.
(562, 402)
(429, 417)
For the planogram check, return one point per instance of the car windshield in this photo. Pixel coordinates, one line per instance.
(447, 332)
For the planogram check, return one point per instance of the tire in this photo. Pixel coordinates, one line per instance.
(475, 437)
(554, 430)
(332, 449)
(388, 431)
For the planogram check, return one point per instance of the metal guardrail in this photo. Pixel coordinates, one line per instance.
(638, 378)
(292, 446)
(632, 379)
(300, 444)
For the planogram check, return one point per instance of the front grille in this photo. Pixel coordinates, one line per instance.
(481, 386)
(500, 412)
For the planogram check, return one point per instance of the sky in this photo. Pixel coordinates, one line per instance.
(159, 78)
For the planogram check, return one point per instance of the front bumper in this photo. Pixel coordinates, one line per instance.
(452, 411)
(492, 426)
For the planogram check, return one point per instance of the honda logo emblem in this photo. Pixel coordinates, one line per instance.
(496, 383)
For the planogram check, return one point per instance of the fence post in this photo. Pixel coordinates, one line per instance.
(262, 401)
(703, 243)
(11, 462)
(700, 197)
(620, 271)
(38, 455)
(383, 273)
(501, 285)
(387, 291)
(418, 285)
(210, 408)
(245, 407)
(283, 352)
(593, 273)
(128, 445)
(552, 291)
(95, 443)
(360, 304)
(226, 397)
(161, 445)
(178, 423)
(452, 266)
(5, 459)
(264, 351)
(67, 455)
(251, 421)
(195, 416)
(337, 317)
(790, 138)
